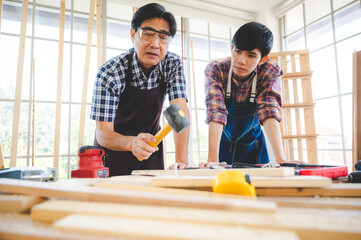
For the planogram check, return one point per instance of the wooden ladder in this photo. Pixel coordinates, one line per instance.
(298, 123)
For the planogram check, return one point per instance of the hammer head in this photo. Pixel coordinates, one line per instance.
(176, 118)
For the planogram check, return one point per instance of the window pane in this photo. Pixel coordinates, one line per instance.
(199, 67)
(6, 109)
(319, 34)
(345, 49)
(324, 81)
(44, 128)
(198, 27)
(9, 47)
(316, 9)
(327, 118)
(80, 31)
(347, 119)
(47, 24)
(46, 69)
(200, 45)
(348, 21)
(175, 46)
(217, 30)
(11, 18)
(64, 129)
(120, 11)
(294, 19)
(340, 3)
(220, 48)
(82, 6)
(330, 157)
(296, 41)
(118, 35)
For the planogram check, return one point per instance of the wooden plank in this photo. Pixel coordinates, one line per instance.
(18, 88)
(99, 34)
(307, 136)
(16, 226)
(272, 55)
(86, 74)
(158, 229)
(261, 172)
(299, 105)
(59, 85)
(356, 109)
(321, 223)
(2, 164)
(335, 190)
(18, 203)
(206, 181)
(44, 189)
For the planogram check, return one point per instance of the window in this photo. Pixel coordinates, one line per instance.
(330, 31)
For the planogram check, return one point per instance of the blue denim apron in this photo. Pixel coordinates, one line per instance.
(242, 138)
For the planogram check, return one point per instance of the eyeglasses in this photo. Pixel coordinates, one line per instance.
(150, 34)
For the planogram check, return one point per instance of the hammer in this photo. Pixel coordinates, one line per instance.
(176, 119)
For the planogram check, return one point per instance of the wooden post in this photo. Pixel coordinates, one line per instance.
(59, 85)
(356, 109)
(195, 104)
(33, 120)
(2, 165)
(99, 34)
(86, 74)
(19, 81)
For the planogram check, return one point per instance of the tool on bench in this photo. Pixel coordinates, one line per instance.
(355, 177)
(177, 120)
(29, 173)
(91, 160)
(233, 182)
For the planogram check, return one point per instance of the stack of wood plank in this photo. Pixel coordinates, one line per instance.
(159, 205)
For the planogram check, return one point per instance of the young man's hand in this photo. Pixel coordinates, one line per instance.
(208, 164)
(179, 165)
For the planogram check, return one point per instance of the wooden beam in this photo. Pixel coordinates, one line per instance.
(261, 172)
(33, 120)
(99, 34)
(18, 203)
(59, 85)
(84, 193)
(2, 164)
(19, 85)
(86, 74)
(205, 181)
(356, 109)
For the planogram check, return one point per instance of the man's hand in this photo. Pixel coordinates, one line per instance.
(208, 164)
(180, 165)
(140, 147)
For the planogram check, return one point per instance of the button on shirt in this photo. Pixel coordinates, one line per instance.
(268, 90)
(110, 82)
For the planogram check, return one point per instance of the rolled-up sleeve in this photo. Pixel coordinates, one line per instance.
(214, 90)
(269, 99)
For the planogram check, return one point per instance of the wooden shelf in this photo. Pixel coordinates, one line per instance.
(291, 75)
(299, 105)
(300, 136)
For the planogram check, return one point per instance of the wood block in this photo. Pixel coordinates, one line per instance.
(86, 193)
(18, 203)
(205, 181)
(158, 229)
(263, 172)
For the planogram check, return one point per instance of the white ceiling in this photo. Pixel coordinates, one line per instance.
(250, 5)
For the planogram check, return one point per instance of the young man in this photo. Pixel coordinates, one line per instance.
(129, 92)
(243, 92)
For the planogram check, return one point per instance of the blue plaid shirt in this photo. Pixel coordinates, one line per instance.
(110, 82)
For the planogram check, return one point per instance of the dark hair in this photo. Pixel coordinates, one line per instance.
(253, 35)
(154, 10)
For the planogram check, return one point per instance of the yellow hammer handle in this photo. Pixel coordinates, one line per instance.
(159, 136)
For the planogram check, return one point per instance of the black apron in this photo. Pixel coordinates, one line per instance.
(242, 138)
(138, 111)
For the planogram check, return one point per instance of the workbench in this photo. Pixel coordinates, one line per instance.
(131, 207)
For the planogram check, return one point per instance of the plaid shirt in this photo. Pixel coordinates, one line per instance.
(110, 82)
(268, 90)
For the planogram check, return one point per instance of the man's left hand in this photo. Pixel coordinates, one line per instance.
(180, 165)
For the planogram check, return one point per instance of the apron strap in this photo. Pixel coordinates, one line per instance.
(229, 85)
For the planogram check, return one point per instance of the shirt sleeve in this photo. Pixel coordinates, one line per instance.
(216, 108)
(176, 87)
(107, 89)
(269, 101)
